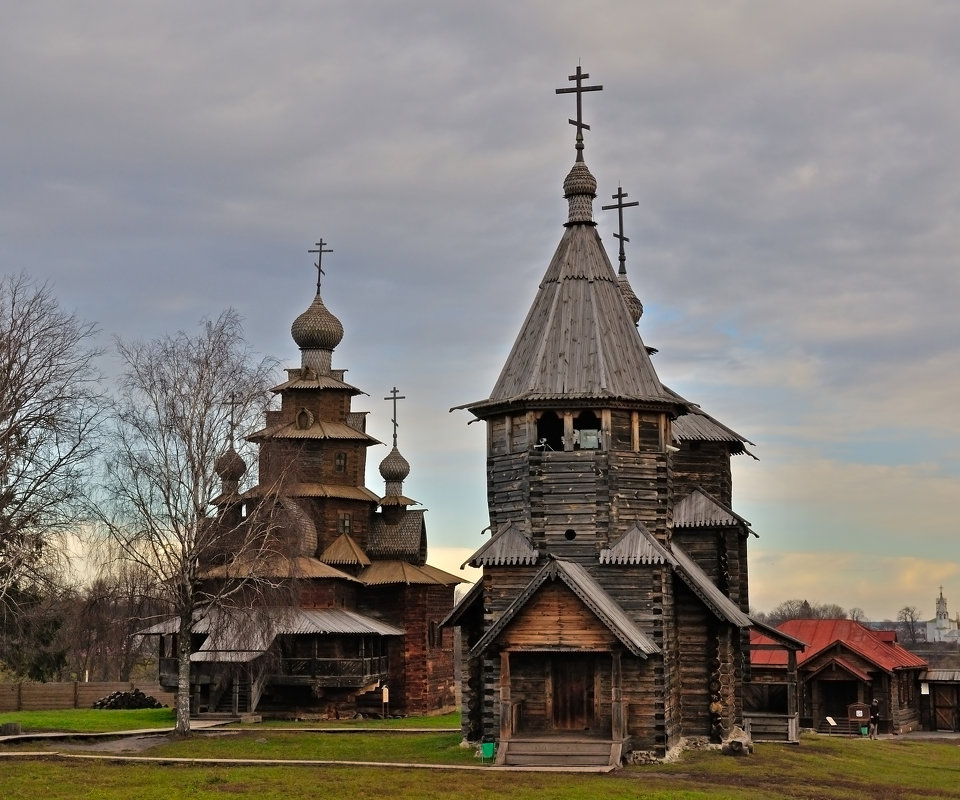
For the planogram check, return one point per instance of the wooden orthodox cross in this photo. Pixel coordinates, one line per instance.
(620, 196)
(319, 251)
(580, 125)
(233, 403)
(395, 395)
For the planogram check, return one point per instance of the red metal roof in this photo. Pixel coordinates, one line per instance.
(877, 647)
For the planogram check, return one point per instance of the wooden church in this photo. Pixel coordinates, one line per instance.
(356, 625)
(611, 618)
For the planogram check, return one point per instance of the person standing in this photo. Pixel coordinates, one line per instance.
(874, 719)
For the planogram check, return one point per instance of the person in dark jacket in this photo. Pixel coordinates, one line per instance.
(874, 718)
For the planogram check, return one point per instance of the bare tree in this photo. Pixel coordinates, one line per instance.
(803, 609)
(857, 614)
(908, 617)
(51, 407)
(180, 398)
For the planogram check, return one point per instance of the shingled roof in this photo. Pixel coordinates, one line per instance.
(579, 340)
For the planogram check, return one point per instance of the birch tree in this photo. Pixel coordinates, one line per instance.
(180, 399)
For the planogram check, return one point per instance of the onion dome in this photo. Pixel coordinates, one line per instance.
(394, 468)
(316, 328)
(580, 187)
(230, 467)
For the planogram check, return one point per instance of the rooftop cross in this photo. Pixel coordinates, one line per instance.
(319, 251)
(233, 403)
(620, 205)
(394, 395)
(580, 125)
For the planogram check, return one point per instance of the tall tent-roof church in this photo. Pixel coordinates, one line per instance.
(611, 620)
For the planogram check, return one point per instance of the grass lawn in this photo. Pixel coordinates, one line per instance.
(822, 768)
(90, 720)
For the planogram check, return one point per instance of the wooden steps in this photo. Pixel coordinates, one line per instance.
(557, 751)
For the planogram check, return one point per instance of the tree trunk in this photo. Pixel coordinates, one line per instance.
(183, 677)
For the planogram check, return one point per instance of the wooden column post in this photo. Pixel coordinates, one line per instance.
(618, 727)
(506, 711)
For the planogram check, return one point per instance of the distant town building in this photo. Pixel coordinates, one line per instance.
(941, 628)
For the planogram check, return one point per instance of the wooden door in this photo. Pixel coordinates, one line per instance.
(946, 707)
(572, 693)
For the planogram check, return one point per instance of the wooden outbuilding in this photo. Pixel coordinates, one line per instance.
(846, 663)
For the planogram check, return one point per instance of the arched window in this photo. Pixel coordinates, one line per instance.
(549, 432)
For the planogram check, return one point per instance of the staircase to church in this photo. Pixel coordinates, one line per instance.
(559, 751)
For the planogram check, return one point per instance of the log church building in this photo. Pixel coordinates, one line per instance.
(359, 630)
(611, 618)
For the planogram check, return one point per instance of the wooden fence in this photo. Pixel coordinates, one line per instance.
(29, 696)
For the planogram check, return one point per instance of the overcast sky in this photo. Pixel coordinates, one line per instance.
(795, 246)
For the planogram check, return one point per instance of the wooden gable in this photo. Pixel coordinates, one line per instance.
(556, 619)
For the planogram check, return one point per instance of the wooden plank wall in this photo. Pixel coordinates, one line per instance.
(30, 696)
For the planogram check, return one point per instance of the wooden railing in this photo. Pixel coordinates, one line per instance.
(335, 671)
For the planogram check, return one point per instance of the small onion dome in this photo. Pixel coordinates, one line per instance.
(394, 467)
(580, 187)
(633, 302)
(230, 466)
(316, 328)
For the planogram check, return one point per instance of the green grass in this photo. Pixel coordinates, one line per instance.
(451, 720)
(415, 748)
(90, 720)
(822, 768)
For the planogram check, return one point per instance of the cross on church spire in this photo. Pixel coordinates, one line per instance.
(580, 125)
(394, 395)
(620, 196)
(319, 251)
(233, 403)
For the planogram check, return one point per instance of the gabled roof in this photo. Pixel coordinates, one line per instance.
(635, 546)
(845, 666)
(823, 634)
(701, 585)
(382, 573)
(701, 510)
(474, 595)
(639, 546)
(344, 550)
(509, 546)
(593, 596)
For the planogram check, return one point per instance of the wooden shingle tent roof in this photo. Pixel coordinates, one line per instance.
(579, 340)
(405, 539)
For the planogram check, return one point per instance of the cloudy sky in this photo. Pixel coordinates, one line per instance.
(795, 246)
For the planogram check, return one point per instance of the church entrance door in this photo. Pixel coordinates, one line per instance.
(573, 679)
